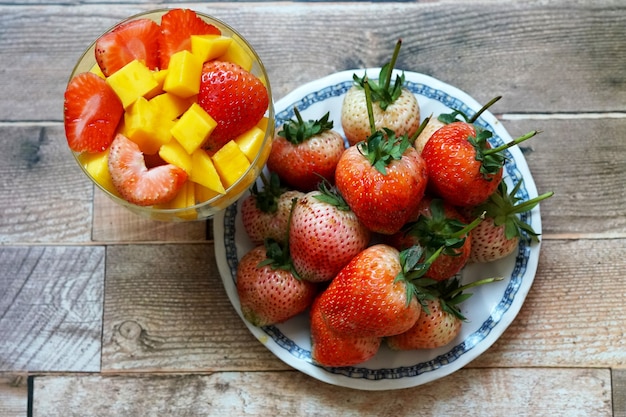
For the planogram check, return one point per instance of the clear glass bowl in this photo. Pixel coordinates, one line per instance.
(208, 208)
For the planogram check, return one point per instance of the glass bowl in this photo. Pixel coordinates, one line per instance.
(206, 209)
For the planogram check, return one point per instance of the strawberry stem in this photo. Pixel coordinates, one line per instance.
(512, 143)
(420, 129)
(368, 102)
(392, 64)
(468, 228)
(483, 109)
(477, 283)
(529, 204)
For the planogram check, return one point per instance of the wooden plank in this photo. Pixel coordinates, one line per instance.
(166, 310)
(618, 378)
(532, 51)
(13, 395)
(483, 392)
(571, 315)
(45, 196)
(51, 308)
(582, 161)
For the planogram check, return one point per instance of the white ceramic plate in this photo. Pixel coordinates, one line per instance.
(490, 310)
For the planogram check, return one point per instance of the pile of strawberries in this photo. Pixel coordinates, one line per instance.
(370, 238)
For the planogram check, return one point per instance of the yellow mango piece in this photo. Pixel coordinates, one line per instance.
(231, 163)
(183, 77)
(173, 152)
(97, 165)
(185, 198)
(208, 47)
(132, 81)
(263, 124)
(171, 106)
(146, 127)
(238, 54)
(203, 172)
(193, 128)
(250, 142)
(159, 76)
(204, 194)
(96, 70)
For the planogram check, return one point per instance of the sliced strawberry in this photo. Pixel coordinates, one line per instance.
(138, 184)
(235, 99)
(177, 26)
(136, 39)
(92, 112)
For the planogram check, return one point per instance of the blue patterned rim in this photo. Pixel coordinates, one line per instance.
(473, 339)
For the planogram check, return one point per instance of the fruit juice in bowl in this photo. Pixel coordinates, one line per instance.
(170, 114)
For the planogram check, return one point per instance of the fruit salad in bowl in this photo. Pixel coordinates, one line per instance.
(170, 113)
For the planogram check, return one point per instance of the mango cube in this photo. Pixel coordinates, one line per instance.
(173, 152)
(146, 127)
(159, 76)
(203, 193)
(132, 81)
(193, 128)
(184, 72)
(238, 54)
(208, 47)
(170, 106)
(203, 172)
(185, 198)
(97, 165)
(250, 142)
(231, 163)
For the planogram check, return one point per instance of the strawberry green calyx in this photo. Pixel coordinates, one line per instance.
(503, 207)
(385, 94)
(492, 159)
(452, 117)
(277, 255)
(450, 294)
(266, 200)
(414, 267)
(298, 131)
(330, 194)
(439, 231)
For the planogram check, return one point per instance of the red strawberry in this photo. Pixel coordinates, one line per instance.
(177, 26)
(305, 153)
(265, 213)
(438, 225)
(92, 112)
(329, 348)
(138, 184)
(441, 320)
(499, 234)
(234, 97)
(135, 39)
(268, 290)
(324, 235)
(383, 180)
(393, 106)
(374, 295)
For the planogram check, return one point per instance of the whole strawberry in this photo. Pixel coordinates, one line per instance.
(268, 290)
(395, 107)
(235, 98)
(329, 348)
(265, 213)
(439, 225)
(441, 319)
(324, 234)
(375, 294)
(304, 153)
(500, 232)
(383, 180)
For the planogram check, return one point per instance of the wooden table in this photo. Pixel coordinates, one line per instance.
(103, 313)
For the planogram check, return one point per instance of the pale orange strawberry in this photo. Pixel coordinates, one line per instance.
(329, 348)
(268, 290)
(394, 107)
(324, 234)
(135, 182)
(265, 213)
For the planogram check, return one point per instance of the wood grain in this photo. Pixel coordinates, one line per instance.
(13, 395)
(618, 383)
(166, 310)
(548, 57)
(51, 308)
(496, 392)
